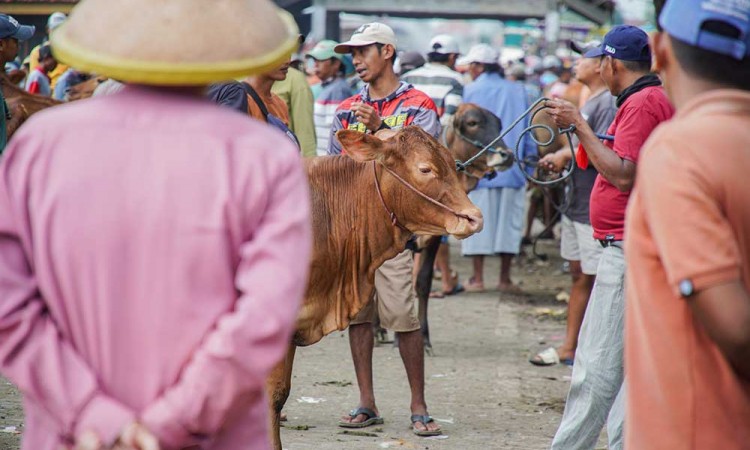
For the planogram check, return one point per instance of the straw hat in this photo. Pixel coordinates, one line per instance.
(175, 42)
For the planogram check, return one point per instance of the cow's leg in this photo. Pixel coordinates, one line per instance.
(279, 385)
(424, 286)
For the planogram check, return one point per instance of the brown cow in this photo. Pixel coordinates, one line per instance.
(365, 208)
(22, 104)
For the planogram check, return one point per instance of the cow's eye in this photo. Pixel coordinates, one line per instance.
(425, 169)
(472, 123)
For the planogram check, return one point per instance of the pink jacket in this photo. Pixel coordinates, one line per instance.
(154, 250)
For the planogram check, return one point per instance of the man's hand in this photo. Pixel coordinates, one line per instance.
(367, 115)
(134, 437)
(555, 162)
(563, 113)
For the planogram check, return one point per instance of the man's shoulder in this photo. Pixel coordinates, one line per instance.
(427, 74)
(413, 97)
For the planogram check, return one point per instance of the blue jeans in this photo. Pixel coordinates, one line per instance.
(597, 391)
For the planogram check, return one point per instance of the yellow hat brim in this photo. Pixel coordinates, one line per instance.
(170, 73)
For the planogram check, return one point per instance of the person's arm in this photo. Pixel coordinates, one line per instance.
(724, 312)
(33, 352)
(301, 116)
(228, 370)
(696, 245)
(618, 171)
(334, 146)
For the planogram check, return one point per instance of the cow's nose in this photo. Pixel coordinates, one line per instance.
(474, 220)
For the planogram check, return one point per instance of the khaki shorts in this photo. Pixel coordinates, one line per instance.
(578, 244)
(394, 296)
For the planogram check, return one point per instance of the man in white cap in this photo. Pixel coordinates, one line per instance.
(385, 102)
(53, 22)
(154, 248)
(502, 199)
(439, 79)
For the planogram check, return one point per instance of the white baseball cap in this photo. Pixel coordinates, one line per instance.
(444, 44)
(368, 34)
(480, 53)
(55, 20)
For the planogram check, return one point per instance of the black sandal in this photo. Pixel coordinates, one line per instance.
(372, 419)
(425, 420)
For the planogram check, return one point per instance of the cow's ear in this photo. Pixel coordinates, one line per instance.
(359, 146)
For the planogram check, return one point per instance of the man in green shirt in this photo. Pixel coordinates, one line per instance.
(298, 97)
(11, 32)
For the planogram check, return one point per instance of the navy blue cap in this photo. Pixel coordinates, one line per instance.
(9, 27)
(624, 42)
(688, 24)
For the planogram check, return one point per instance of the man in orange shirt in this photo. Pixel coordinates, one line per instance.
(687, 334)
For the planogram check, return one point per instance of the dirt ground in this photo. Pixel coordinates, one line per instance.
(480, 387)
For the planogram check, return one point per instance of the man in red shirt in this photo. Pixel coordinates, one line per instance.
(596, 389)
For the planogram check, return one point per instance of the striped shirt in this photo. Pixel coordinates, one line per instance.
(444, 85)
(333, 92)
(407, 106)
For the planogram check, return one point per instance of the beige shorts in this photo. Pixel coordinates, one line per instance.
(578, 244)
(394, 296)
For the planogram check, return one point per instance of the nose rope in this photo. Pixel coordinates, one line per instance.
(391, 214)
(523, 162)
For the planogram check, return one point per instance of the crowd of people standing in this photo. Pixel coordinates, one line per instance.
(655, 226)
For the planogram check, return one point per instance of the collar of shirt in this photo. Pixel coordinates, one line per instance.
(726, 101)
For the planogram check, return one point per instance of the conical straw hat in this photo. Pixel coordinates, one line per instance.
(175, 42)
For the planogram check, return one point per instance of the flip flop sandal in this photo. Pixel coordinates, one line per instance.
(372, 419)
(548, 357)
(457, 289)
(425, 420)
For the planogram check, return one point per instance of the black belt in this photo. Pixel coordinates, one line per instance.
(610, 243)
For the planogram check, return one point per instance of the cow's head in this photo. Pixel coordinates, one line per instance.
(472, 128)
(422, 162)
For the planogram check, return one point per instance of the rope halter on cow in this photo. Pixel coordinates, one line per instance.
(527, 161)
(391, 214)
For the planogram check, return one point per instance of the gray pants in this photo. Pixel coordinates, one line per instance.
(597, 391)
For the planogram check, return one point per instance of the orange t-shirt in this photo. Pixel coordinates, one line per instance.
(688, 222)
(275, 105)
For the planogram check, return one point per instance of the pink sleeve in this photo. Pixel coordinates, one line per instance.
(33, 353)
(228, 371)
